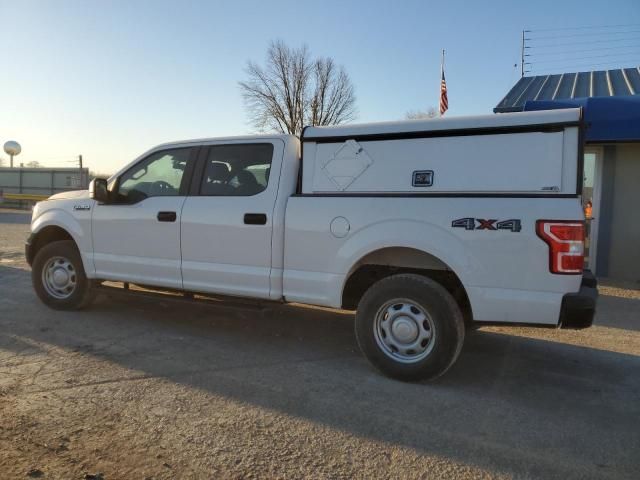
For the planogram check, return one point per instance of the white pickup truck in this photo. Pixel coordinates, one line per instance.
(420, 226)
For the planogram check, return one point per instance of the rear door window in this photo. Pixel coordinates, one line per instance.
(237, 170)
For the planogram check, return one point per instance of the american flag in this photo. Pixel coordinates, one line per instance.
(444, 101)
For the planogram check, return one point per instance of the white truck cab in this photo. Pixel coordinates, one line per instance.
(420, 226)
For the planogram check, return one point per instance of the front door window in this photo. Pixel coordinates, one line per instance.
(159, 175)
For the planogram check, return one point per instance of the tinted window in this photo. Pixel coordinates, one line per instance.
(237, 170)
(158, 175)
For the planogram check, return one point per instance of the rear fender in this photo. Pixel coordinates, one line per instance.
(414, 234)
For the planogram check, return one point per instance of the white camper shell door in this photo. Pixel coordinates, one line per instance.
(520, 162)
(525, 153)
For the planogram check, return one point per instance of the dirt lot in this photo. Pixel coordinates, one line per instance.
(139, 388)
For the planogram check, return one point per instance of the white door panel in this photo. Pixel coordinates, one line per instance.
(136, 236)
(131, 244)
(222, 254)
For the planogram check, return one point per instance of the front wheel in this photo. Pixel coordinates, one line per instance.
(409, 327)
(58, 277)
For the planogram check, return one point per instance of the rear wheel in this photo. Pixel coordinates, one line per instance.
(58, 276)
(409, 327)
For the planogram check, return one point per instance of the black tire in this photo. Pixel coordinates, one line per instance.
(446, 327)
(82, 293)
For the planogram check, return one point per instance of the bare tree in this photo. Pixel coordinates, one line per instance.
(422, 114)
(2, 160)
(292, 91)
(33, 164)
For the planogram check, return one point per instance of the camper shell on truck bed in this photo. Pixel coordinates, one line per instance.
(536, 156)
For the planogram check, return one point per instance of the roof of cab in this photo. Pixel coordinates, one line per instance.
(240, 138)
(287, 139)
(446, 123)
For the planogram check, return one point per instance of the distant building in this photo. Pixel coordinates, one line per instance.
(611, 107)
(36, 183)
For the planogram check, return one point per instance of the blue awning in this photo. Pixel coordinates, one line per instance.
(608, 119)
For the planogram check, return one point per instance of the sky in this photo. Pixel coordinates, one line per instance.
(111, 79)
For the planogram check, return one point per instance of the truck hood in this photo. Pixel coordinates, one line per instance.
(76, 204)
(70, 195)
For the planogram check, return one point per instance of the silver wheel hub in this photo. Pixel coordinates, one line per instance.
(404, 330)
(59, 277)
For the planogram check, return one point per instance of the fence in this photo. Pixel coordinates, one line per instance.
(21, 186)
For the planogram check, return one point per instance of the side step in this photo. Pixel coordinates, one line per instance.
(125, 289)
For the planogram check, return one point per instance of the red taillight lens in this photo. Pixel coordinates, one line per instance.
(566, 244)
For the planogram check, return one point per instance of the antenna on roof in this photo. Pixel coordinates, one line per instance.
(523, 47)
(522, 56)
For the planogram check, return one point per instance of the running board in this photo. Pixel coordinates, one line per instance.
(126, 289)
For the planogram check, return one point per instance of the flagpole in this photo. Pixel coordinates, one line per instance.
(441, 73)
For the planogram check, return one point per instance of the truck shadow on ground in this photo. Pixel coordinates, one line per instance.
(506, 393)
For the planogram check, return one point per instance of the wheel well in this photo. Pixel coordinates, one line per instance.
(44, 237)
(391, 261)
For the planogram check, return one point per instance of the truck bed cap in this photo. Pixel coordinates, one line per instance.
(543, 117)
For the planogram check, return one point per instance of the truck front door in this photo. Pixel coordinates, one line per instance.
(227, 221)
(136, 236)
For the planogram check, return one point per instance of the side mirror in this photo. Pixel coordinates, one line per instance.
(98, 190)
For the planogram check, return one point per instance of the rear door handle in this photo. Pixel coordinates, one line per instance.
(167, 216)
(255, 218)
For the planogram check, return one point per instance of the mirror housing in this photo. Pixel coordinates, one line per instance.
(98, 190)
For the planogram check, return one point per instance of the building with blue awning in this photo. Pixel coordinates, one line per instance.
(611, 110)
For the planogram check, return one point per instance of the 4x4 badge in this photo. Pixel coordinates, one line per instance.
(469, 223)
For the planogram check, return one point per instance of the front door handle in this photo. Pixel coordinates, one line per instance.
(167, 216)
(255, 218)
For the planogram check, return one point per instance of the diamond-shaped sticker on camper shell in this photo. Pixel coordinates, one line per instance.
(347, 164)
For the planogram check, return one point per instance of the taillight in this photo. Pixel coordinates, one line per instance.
(566, 244)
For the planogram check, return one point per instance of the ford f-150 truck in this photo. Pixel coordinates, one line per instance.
(422, 227)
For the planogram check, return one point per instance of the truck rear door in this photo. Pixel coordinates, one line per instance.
(227, 221)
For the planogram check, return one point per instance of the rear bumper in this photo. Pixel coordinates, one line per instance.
(578, 309)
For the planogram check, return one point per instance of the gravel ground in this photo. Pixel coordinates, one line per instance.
(155, 388)
(619, 289)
